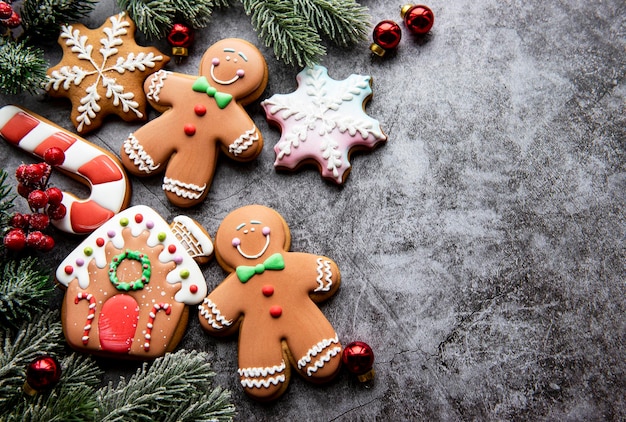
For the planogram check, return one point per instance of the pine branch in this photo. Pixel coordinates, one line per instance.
(7, 200)
(177, 384)
(24, 291)
(288, 33)
(41, 19)
(343, 22)
(22, 67)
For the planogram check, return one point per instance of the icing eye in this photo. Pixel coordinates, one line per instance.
(236, 241)
(266, 231)
(216, 61)
(240, 73)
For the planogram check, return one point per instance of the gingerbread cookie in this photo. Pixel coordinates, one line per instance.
(97, 168)
(270, 298)
(128, 284)
(202, 115)
(322, 122)
(102, 72)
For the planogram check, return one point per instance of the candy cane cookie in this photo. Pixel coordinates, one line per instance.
(95, 167)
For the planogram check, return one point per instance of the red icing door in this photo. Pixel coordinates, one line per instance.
(117, 323)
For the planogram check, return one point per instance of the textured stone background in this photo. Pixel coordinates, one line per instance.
(481, 249)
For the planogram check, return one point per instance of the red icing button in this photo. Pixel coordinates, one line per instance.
(267, 290)
(189, 129)
(69, 270)
(199, 109)
(100, 242)
(193, 288)
(276, 311)
(171, 248)
(138, 218)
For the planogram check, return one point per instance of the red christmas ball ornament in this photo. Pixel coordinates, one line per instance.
(180, 38)
(386, 35)
(6, 10)
(419, 19)
(358, 358)
(41, 374)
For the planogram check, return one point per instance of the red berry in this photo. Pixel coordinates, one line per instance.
(5, 10)
(20, 173)
(24, 190)
(13, 21)
(57, 212)
(20, 220)
(33, 174)
(55, 196)
(37, 199)
(47, 243)
(34, 239)
(15, 240)
(39, 221)
(46, 169)
(54, 156)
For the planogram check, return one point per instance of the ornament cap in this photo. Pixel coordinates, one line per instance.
(366, 377)
(378, 50)
(28, 390)
(404, 9)
(180, 51)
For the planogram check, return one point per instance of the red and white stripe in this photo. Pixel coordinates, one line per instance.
(102, 171)
(90, 316)
(155, 310)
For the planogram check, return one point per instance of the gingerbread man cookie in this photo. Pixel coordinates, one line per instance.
(128, 284)
(323, 122)
(102, 72)
(201, 116)
(270, 298)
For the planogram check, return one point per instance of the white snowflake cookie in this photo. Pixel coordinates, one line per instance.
(102, 72)
(322, 122)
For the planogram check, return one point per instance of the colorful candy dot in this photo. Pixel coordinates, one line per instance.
(178, 259)
(199, 109)
(111, 233)
(80, 262)
(276, 311)
(69, 269)
(184, 273)
(193, 288)
(161, 236)
(171, 248)
(267, 290)
(150, 225)
(100, 242)
(88, 251)
(138, 218)
(189, 129)
(123, 221)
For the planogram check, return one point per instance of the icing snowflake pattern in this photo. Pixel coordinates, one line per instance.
(99, 70)
(322, 121)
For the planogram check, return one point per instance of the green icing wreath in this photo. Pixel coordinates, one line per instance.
(146, 271)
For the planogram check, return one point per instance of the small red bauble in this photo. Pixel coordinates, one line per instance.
(419, 19)
(54, 156)
(5, 10)
(41, 374)
(358, 358)
(180, 38)
(387, 35)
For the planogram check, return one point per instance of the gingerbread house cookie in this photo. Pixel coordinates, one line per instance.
(270, 297)
(129, 283)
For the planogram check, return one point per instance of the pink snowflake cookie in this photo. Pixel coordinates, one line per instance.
(322, 122)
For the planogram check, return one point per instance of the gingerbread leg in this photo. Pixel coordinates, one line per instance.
(317, 361)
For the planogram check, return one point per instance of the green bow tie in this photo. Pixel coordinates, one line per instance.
(274, 262)
(202, 85)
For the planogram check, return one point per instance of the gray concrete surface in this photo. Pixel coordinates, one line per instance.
(481, 249)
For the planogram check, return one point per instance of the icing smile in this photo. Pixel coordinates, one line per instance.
(237, 242)
(240, 72)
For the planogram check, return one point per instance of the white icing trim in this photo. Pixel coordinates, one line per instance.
(156, 84)
(244, 142)
(323, 268)
(214, 317)
(184, 295)
(221, 82)
(252, 383)
(317, 349)
(197, 232)
(253, 373)
(258, 255)
(182, 189)
(141, 159)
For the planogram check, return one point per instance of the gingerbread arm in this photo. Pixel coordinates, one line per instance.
(240, 140)
(164, 87)
(220, 312)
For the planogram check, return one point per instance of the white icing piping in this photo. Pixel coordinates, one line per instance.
(221, 82)
(140, 157)
(182, 189)
(156, 84)
(244, 142)
(214, 317)
(267, 243)
(315, 350)
(323, 267)
(260, 371)
(252, 383)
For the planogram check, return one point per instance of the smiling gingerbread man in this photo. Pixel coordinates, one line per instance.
(270, 298)
(201, 115)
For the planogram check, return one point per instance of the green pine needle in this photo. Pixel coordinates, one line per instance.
(42, 19)
(174, 386)
(22, 68)
(24, 290)
(152, 17)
